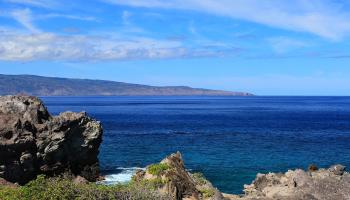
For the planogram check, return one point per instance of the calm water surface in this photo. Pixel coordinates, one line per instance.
(229, 139)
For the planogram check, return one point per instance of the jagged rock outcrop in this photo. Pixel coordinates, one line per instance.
(317, 184)
(34, 142)
(171, 178)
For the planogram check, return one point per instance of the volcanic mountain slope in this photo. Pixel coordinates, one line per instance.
(50, 86)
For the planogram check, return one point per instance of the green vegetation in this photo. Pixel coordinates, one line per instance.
(153, 184)
(62, 188)
(207, 193)
(156, 169)
(199, 178)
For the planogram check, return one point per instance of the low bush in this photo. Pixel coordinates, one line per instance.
(152, 184)
(156, 169)
(207, 193)
(62, 188)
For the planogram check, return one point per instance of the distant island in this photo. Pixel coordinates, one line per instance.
(53, 86)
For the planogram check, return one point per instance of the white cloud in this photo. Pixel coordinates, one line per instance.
(36, 3)
(34, 44)
(323, 18)
(16, 46)
(128, 27)
(285, 44)
(192, 28)
(24, 17)
(126, 17)
(75, 17)
(147, 3)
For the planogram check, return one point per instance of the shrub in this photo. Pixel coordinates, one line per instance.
(9, 193)
(312, 168)
(62, 188)
(140, 192)
(156, 169)
(152, 184)
(207, 193)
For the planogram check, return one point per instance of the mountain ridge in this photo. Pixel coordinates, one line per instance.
(57, 86)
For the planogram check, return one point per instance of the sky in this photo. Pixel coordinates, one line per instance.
(271, 47)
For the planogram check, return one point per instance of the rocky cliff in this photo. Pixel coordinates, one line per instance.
(171, 178)
(34, 142)
(314, 184)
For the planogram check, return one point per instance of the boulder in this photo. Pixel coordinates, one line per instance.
(33, 142)
(337, 169)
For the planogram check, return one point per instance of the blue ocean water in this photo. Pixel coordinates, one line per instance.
(228, 139)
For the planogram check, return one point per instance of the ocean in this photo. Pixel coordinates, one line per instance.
(228, 139)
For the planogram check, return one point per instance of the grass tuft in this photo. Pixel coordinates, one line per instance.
(207, 193)
(157, 169)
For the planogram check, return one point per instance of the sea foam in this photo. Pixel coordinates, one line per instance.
(123, 176)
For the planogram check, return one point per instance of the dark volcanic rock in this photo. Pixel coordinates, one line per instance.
(33, 142)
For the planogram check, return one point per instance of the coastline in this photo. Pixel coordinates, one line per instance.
(26, 122)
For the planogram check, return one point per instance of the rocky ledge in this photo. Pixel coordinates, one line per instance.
(169, 177)
(33, 142)
(314, 184)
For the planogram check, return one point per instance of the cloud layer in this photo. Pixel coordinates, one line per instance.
(33, 43)
(15, 46)
(325, 18)
(127, 40)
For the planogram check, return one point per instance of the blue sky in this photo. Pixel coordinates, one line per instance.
(272, 47)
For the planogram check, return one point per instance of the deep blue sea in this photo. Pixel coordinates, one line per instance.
(228, 139)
